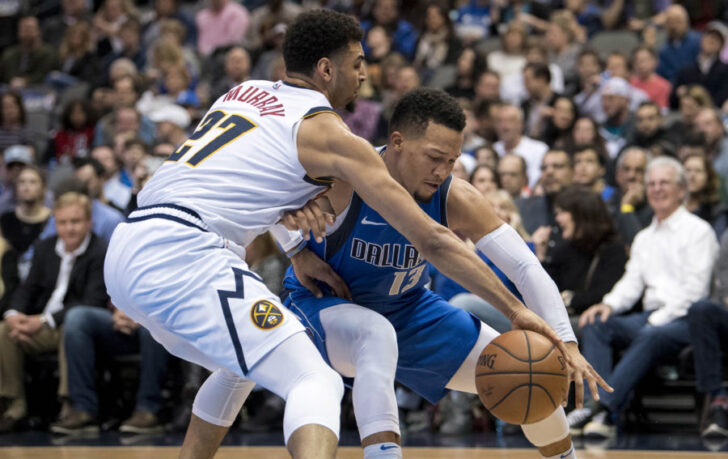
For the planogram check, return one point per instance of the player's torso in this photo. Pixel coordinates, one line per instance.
(380, 266)
(239, 170)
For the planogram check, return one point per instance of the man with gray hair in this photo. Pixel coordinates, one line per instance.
(670, 267)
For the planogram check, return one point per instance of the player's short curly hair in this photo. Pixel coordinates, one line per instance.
(420, 106)
(317, 34)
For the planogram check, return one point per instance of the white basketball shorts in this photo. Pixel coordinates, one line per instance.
(193, 291)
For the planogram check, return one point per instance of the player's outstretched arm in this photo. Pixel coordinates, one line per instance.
(327, 148)
(471, 215)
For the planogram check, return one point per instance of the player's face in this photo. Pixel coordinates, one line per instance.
(349, 72)
(426, 162)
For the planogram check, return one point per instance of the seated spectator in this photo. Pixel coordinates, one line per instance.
(708, 122)
(486, 112)
(487, 87)
(588, 15)
(107, 25)
(126, 122)
(628, 204)
(75, 137)
(485, 179)
(586, 132)
(222, 23)
(72, 12)
(589, 67)
(438, 45)
(129, 45)
(590, 259)
(487, 156)
(13, 121)
(117, 191)
(703, 197)
(175, 91)
(380, 44)
(472, 21)
(562, 42)
(267, 15)
(167, 10)
(708, 321)
(649, 132)
(385, 13)
(707, 71)
(88, 331)
(78, 61)
(22, 225)
(618, 65)
(142, 172)
(174, 31)
(692, 99)
(559, 123)
(682, 46)
(67, 271)
(88, 181)
(644, 63)
(619, 120)
(512, 87)
(237, 70)
(511, 58)
(15, 159)
(538, 211)
(172, 122)
(513, 173)
(541, 98)
(590, 166)
(30, 61)
(509, 126)
(668, 281)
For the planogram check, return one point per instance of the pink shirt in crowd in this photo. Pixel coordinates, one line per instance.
(656, 88)
(221, 29)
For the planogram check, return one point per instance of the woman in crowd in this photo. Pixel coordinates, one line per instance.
(485, 179)
(13, 129)
(511, 58)
(77, 54)
(438, 45)
(557, 131)
(469, 66)
(591, 258)
(76, 134)
(704, 191)
(692, 99)
(586, 132)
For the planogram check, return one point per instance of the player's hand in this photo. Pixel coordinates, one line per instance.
(579, 370)
(589, 316)
(308, 218)
(309, 268)
(525, 319)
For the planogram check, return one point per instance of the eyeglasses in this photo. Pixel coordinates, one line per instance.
(661, 184)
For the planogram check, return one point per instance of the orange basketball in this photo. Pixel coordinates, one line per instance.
(521, 377)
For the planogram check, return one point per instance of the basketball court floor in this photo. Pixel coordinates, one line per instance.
(111, 445)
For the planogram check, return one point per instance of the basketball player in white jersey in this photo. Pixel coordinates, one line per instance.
(263, 149)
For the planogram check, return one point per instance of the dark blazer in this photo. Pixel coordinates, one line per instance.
(85, 287)
(714, 81)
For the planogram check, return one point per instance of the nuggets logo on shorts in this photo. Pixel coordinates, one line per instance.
(266, 315)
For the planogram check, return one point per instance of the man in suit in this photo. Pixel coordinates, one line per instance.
(66, 271)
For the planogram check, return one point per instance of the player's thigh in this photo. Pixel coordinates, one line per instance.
(352, 330)
(196, 297)
(464, 378)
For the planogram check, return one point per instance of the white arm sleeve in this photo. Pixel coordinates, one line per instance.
(286, 239)
(508, 251)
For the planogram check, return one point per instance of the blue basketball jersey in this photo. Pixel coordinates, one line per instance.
(383, 270)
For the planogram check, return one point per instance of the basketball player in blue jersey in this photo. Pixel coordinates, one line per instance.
(395, 328)
(263, 149)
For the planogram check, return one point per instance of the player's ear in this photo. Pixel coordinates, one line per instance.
(395, 140)
(325, 68)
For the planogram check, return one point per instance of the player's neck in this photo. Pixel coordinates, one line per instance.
(304, 81)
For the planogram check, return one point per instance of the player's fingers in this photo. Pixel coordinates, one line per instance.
(303, 224)
(579, 389)
(601, 380)
(311, 286)
(289, 222)
(318, 221)
(593, 387)
(337, 284)
(312, 223)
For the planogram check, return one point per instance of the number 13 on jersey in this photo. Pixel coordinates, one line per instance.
(412, 276)
(230, 127)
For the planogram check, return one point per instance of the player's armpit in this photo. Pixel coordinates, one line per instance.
(468, 212)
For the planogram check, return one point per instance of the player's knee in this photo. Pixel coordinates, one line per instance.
(220, 398)
(547, 431)
(378, 339)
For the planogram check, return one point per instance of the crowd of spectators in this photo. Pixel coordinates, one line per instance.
(572, 108)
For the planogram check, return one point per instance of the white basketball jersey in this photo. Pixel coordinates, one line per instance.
(239, 170)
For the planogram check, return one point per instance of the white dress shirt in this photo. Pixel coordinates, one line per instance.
(671, 262)
(55, 303)
(529, 149)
